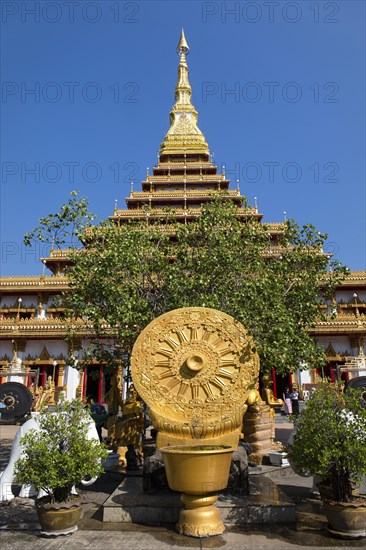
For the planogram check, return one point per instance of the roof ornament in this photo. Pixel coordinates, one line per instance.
(182, 47)
(184, 135)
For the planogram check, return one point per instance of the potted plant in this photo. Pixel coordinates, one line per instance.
(56, 457)
(330, 441)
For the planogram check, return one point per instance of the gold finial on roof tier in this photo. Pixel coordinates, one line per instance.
(182, 46)
(183, 136)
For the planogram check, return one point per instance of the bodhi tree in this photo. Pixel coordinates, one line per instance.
(126, 276)
(64, 227)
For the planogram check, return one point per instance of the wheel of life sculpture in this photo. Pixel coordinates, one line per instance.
(195, 367)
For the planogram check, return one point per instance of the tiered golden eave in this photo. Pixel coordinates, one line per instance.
(355, 279)
(174, 194)
(349, 317)
(49, 328)
(161, 214)
(31, 284)
(343, 324)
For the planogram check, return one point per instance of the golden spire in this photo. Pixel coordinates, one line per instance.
(183, 136)
(182, 46)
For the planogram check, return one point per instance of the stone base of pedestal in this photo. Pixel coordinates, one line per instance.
(266, 504)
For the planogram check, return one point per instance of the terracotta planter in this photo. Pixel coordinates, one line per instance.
(346, 519)
(59, 518)
(199, 472)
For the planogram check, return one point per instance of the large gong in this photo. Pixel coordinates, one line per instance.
(16, 400)
(194, 367)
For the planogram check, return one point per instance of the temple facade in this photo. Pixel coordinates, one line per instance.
(35, 334)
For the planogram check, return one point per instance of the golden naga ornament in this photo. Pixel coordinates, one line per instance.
(195, 368)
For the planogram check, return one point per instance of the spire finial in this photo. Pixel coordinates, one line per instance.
(182, 45)
(183, 134)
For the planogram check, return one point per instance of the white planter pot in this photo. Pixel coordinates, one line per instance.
(278, 459)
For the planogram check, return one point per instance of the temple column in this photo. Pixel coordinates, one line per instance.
(72, 381)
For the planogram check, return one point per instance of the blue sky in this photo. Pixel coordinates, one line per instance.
(279, 87)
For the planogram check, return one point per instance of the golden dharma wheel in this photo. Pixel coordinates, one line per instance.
(194, 367)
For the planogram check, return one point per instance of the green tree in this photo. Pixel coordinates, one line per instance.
(65, 226)
(126, 276)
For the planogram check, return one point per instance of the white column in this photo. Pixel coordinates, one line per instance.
(71, 380)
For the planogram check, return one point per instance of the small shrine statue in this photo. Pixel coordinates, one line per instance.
(41, 397)
(269, 398)
(254, 402)
(128, 431)
(114, 401)
(267, 393)
(51, 388)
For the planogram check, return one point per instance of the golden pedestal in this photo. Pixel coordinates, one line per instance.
(199, 518)
(199, 472)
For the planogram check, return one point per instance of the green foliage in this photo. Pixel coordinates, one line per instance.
(126, 276)
(64, 226)
(60, 455)
(330, 439)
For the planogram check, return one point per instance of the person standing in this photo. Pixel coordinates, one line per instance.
(295, 401)
(287, 402)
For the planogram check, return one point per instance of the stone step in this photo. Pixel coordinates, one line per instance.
(266, 504)
(272, 472)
